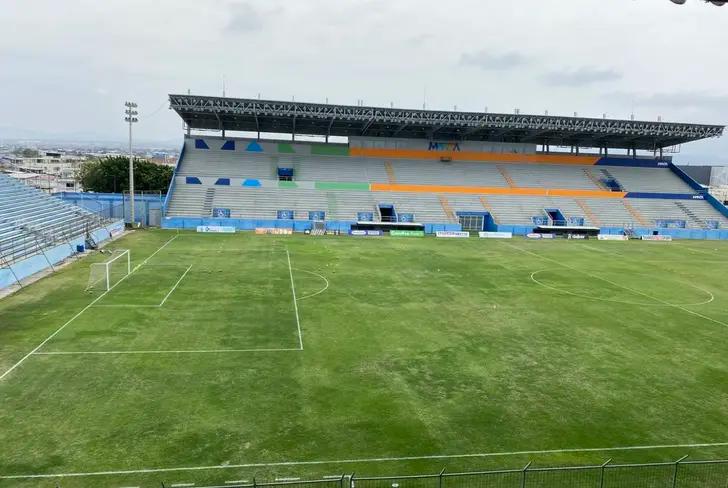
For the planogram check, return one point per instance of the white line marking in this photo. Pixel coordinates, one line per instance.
(180, 351)
(626, 302)
(332, 476)
(620, 286)
(288, 479)
(236, 482)
(176, 284)
(79, 313)
(702, 251)
(181, 485)
(155, 252)
(124, 305)
(365, 460)
(318, 292)
(295, 302)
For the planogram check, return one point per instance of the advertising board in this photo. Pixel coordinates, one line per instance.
(274, 231)
(452, 234)
(495, 235)
(216, 228)
(407, 233)
(366, 233)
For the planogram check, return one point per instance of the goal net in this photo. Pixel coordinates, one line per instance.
(103, 276)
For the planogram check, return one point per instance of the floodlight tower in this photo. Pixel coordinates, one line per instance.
(130, 118)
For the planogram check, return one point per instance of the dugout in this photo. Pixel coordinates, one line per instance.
(387, 226)
(566, 230)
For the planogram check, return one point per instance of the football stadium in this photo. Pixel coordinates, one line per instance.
(374, 298)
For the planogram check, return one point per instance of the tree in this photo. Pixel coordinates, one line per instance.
(27, 152)
(111, 175)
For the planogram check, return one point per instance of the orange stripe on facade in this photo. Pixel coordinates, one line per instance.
(497, 190)
(513, 158)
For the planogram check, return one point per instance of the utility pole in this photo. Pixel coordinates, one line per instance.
(130, 118)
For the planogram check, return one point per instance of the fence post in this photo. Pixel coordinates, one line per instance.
(341, 480)
(674, 474)
(351, 481)
(523, 475)
(601, 474)
(440, 478)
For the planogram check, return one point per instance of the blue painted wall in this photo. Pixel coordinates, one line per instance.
(115, 205)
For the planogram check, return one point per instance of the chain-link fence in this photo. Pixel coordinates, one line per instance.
(678, 474)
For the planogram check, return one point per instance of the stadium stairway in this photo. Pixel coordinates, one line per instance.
(636, 215)
(692, 218)
(591, 217)
(506, 176)
(447, 208)
(486, 205)
(391, 178)
(594, 179)
(207, 202)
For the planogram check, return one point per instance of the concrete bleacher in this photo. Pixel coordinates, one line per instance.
(31, 220)
(340, 186)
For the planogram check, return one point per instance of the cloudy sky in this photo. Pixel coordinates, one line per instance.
(66, 67)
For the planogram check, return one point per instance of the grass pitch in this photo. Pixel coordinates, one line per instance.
(298, 356)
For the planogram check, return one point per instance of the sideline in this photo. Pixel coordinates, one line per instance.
(365, 460)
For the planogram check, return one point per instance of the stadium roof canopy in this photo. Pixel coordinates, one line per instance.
(243, 114)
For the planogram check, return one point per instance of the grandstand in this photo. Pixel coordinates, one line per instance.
(436, 177)
(38, 230)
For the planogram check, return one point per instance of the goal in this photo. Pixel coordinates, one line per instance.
(103, 276)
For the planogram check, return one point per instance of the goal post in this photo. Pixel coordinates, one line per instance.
(103, 276)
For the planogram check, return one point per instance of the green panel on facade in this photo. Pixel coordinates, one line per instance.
(329, 150)
(332, 185)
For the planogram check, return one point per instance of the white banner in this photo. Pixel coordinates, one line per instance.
(496, 235)
(451, 233)
(612, 237)
(656, 238)
(216, 228)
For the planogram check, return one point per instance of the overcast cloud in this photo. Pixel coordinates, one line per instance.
(66, 67)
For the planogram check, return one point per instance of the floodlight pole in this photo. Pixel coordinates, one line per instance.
(130, 118)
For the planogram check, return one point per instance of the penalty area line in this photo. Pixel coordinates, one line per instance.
(161, 351)
(176, 284)
(57, 331)
(295, 301)
(365, 460)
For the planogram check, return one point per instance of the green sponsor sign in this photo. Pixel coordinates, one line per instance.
(407, 233)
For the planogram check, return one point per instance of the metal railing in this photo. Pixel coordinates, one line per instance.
(677, 474)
